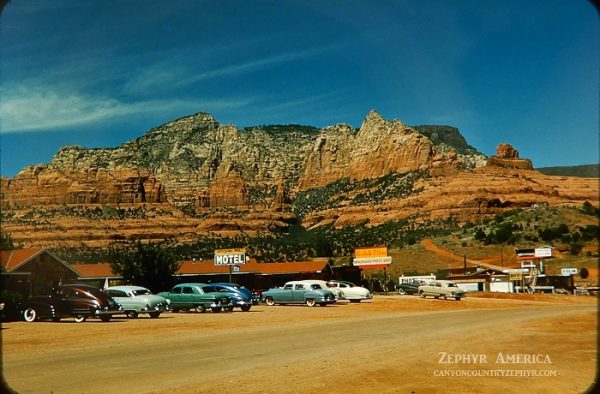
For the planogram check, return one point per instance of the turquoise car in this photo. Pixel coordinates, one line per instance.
(298, 292)
(137, 299)
(198, 297)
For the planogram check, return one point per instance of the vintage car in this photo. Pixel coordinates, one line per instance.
(409, 287)
(351, 292)
(441, 289)
(197, 296)
(240, 296)
(79, 301)
(136, 300)
(321, 284)
(298, 292)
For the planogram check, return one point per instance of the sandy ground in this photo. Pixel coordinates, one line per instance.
(393, 344)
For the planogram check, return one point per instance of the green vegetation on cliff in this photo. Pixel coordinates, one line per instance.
(583, 171)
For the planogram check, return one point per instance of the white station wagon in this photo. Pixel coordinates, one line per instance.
(441, 289)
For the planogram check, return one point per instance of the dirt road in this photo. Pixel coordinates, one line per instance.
(392, 344)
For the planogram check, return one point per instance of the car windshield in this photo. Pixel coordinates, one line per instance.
(315, 286)
(140, 292)
(452, 285)
(209, 289)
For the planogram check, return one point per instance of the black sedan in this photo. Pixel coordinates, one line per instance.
(408, 287)
(78, 301)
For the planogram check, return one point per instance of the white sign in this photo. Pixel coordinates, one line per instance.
(372, 261)
(410, 279)
(569, 271)
(543, 252)
(230, 256)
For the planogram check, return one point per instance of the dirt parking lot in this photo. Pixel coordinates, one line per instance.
(392, 344)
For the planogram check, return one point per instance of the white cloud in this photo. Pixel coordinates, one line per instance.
(37, 109)
(165, 75)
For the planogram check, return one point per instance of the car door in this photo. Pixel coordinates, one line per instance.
(286, 295)
(59, 302)
(175, 297)
(188, 296)
(298, 293)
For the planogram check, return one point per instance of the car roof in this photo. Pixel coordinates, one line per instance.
(193, 284)
(78, 286)
(126, 287)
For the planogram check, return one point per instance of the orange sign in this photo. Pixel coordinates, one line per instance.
(378, 251)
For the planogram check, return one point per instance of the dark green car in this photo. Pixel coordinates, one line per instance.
(197, 296)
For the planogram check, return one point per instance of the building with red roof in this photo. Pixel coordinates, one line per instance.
(33, 271)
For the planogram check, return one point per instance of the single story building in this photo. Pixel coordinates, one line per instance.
(254, 275)
(35, 271)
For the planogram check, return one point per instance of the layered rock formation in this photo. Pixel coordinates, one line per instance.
(194, 177)
(35, 186)
(194, 160)
(508, 157)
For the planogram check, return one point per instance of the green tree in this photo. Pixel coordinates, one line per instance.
(152, 265)
(6, 242)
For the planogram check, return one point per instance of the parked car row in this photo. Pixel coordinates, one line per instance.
(82, 301)
(313, 292)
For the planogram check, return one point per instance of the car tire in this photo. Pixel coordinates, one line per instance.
(228, 309)
(80, 318)
(245, 308)
(217, 309)
(105, 318)
(422, 294)
(132, 314)
(310, 302)
(402, 292)
(30, 315)
(200, 308)
(457, 298)
(269, 301)
(154, 315)
(56, 319)
(175, 310)
(355, 301)
(442, 297)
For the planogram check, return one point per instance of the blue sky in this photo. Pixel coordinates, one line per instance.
(99, 73)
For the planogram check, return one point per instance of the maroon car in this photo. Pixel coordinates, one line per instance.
(78, 301)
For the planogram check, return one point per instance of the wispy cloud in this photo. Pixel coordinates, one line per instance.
(39, 109)
(166, 76)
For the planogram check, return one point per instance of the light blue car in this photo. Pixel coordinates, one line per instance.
(137, 299)
(298, 292)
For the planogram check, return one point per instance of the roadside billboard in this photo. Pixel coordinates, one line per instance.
(371, 257)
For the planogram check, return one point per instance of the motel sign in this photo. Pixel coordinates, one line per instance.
(230, 256)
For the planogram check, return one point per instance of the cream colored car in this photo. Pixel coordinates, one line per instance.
(441, 289)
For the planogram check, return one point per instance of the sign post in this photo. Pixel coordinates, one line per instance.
(231, 258)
